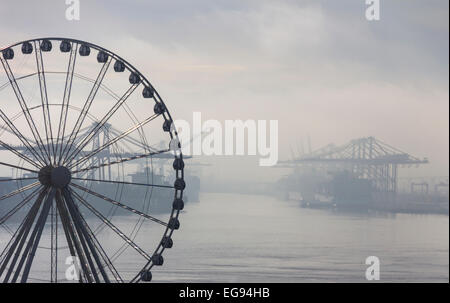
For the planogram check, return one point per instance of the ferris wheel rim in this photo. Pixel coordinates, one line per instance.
(167, 116)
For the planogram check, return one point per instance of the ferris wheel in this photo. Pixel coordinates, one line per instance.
(80, 199)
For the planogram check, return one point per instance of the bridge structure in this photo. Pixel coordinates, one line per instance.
(366, 158)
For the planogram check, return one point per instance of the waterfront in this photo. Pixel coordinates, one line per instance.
(254, 238)
(246, 238)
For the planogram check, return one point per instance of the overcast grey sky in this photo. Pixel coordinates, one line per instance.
(319, 67)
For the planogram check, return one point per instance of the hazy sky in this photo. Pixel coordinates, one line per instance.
(319, 67)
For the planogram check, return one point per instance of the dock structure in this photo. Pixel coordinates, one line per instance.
(365, 158)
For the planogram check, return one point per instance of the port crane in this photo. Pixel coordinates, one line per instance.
(366, 158)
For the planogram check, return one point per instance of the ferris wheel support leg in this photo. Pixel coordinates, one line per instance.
(83, 234)
(70, 243)
(16, 208)
(21, 238)
(35, 238)
(101, 251)
(54, 244)
(84, 246)
(76, 241)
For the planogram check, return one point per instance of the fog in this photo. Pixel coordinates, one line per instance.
(318, 70)
(319, 67)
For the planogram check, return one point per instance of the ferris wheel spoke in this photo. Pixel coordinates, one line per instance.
(33, 242)
(136, 157)
(10, 214)
(10, 242)
(17, 153)
(21, 238)
(113, 141)
(87, 242)
(112, 226)
(20, 205)
(6, 227)
(18, 179)
(44, 100)
(102, 252)
(137, 212)
(124, 182)
(24, 107)
(20, 228)
(19, 167)
(103, 121)
(18, 78)
(54, 244)
(85, 246)
(66, 99)
(4, 128)
(18, 191)
(67, 232)
(22, 138)
(86, 107)
(72, 239)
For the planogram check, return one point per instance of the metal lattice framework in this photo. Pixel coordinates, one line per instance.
(60, 156)
(367, 158)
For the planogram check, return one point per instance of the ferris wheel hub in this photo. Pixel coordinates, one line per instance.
(58, 177)
(61, 176)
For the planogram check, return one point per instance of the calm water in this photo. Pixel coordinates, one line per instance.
(244, 238)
